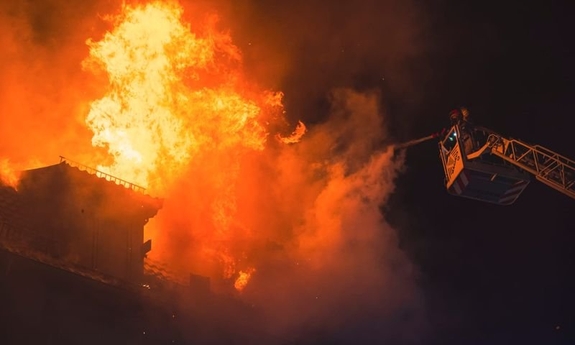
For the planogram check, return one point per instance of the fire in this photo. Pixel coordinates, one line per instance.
(178, 109)
(295, 136)
(243, 279)
(9, 176)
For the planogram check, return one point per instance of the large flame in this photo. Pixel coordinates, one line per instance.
(161, 110)
(178, 105)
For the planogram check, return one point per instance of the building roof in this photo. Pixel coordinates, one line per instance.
(33, 215)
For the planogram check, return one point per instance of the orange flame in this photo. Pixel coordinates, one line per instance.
(149, 118)
(9, 176)
(243, 279)
(295, 136)
(178, 108)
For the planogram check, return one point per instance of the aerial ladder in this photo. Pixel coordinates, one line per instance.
(481, 164)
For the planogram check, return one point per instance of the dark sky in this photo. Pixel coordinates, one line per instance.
(494, 274)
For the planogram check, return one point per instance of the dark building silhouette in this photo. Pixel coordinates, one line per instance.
(73, 218)
(72, 269)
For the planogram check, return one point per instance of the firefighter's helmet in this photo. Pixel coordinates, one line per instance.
(455, 115)
(465, 113)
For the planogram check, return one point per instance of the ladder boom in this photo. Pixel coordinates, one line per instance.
(551, 168)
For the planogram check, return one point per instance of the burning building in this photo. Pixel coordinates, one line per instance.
(66, 216)
(287, 219)
(72, 267)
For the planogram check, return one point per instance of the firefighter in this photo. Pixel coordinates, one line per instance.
(464, 114)
(460, 117)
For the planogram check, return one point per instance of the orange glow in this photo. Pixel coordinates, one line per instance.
(9, 175)
(179, 108)
(243, 279)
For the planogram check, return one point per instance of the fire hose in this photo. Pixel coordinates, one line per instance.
(420, 140)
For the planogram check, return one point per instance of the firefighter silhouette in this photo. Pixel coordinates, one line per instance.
(460, 117)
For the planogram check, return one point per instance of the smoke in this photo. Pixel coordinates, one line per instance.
(308, 218)
(306, 48)
(308, 215)
(340, 269)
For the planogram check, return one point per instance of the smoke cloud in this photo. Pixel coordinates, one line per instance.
(342, 269)
(307, 216)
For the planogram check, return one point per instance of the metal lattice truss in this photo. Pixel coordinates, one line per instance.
(548, 167)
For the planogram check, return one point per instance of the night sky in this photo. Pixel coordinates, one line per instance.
(494, 274)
